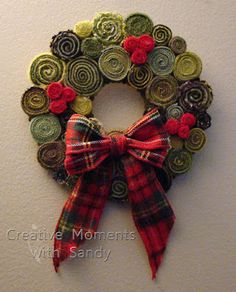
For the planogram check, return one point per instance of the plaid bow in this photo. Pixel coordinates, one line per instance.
(142, 147)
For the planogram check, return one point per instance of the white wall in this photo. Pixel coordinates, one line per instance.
(201, 254)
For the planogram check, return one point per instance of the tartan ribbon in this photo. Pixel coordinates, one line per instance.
(141, 148)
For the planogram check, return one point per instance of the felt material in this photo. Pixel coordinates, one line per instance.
(162, 91)
(174, 111)
(108, 27)
(35, 102)
(161, 34)
(139, 57)
(83, 76)
(88, 152)
(188, 66)
(161, 60)
(178, 45)
(138, 24)
(196, 140)
(114, 63)
(140, 76)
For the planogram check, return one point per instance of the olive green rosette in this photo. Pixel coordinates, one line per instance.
(65, 45)
(196, 96)
(188, 66)
(178, 45)
(51, 155)
(179, 161)
(108, 28)
(138, 24)
(83, 29)
(196, 140)
(83, 75)
(91, 47)
(162, 91)
(35, 102)
(82, 105)
(161, 60)
(46, 69)
(45, 128)
(162, 34)
(114, 63)
(140, 76)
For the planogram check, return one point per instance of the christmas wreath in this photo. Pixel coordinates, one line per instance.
(137, 164)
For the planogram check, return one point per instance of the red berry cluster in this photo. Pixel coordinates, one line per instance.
(139, 47)
(181, 127)
(59, 97)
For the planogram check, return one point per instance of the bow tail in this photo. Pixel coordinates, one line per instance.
(152, 213)
(81, 212)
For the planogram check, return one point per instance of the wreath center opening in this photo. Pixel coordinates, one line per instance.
(118, 106)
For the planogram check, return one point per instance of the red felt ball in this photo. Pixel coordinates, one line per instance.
(146, 42)
(58, 106)
(188, 119)
(131, 43)
(172, 126)
(68, 94)
(139, 57)
(54, 90)
(184, 131)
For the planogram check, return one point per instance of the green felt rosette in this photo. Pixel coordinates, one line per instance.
(178, 45)
(188, 66)
(35, 101)
(161, 60)
(196, 96)
(82, 105)
(51, 155)
(179, 161)
(140, 76)
(114, 63)
(46, 69)
(174, 111)
(108, 28)
(45, 128)
(65, 45)
(91, 47)
(138, 24)
(162, 91)
(196, 140)
(83, 75)
(162, 34)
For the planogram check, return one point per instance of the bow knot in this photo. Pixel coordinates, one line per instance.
(118, 145)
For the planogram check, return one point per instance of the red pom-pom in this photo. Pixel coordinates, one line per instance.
(131, 43)
(184, 131)
(68, 94)
(172, 126)
(188, 119)
(146, 42)
(58, 106)
(54, 90)
(139, 57)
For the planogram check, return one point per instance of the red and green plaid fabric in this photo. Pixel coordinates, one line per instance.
(142, 147)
